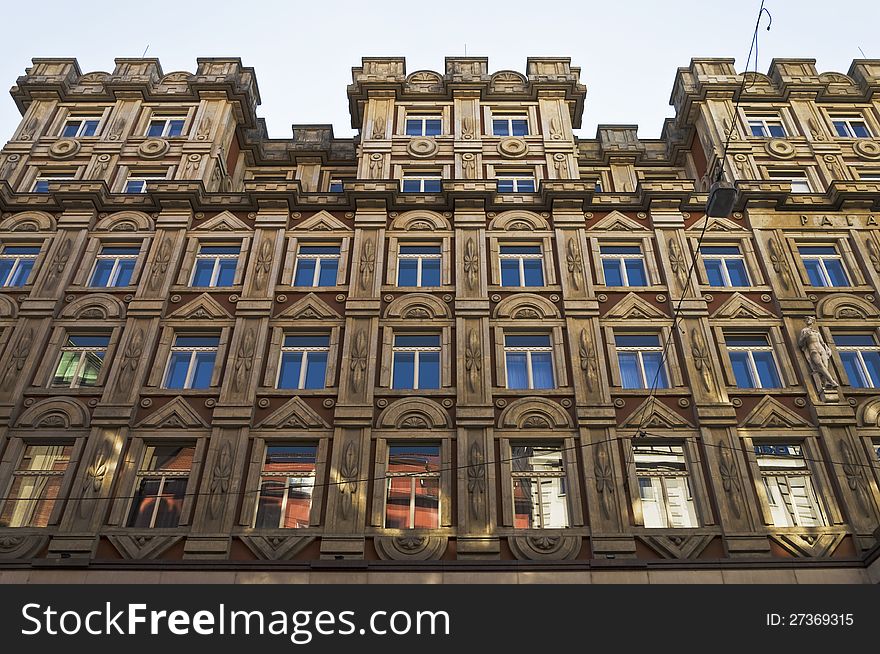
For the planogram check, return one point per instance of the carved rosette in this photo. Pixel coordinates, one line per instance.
(545, 547)
(220, 480)
(410, 547)
(471, 263)
(64, 148)
(476, 481)
(780, 149)
(421, 147)
(153, 148)
(358, 361)
(588, 361)
(348, 479)
(867, 149)
(513, 147)
(677, 263)
(604, 478)
(263, 265)
(702, 361)
(730, 480)
(244, 361)
(21, 546)
(367, 264)
(59, 261)
(575, 262)
(473, 360)
(160, 264)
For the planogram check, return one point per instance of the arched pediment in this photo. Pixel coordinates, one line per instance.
(420, 221)
(56, 412)
(868, 414)
(424, 80)
(8, 308)
(526, 306)
(100, 306)
(844, 307)
(415, 413)
(126, 221)
(29, 221)
(417, 306)
(519, 221)
(508, 79)
(534, 413)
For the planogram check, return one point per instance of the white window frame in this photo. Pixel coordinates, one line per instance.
(215, 272)
(193, 350)
(162, 475)
(418, 258)
(640, 350)
(540, 477)
(663, 477)
(336, 180)
(765, 120)
(858, 349)
(286, 475)
(82, 123)
(303, 369)
(422, 117)
(84, 351)
(316, 276)
(144, 179)
(529, 349)
(750, 350)
(155, 118)
(801, 471)
(417, 349)
(517, 179)
(821, 259)
(620, 257)
(414, 478)
(725, 274)
(521, 257)
(54, 177)
(848, 119)
(422, 178)
(509, 117)
(114, 272)
(17, 259)
(799, 180)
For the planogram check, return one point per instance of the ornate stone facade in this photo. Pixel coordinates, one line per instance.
(212, 178)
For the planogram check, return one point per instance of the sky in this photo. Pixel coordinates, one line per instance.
(303, 52)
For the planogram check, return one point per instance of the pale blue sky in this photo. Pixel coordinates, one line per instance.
(303, 52)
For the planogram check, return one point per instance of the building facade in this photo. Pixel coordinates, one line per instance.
(464, 345)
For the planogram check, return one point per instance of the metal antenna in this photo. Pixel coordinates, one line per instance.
(145, 51)
(864, 56)
(465, 50)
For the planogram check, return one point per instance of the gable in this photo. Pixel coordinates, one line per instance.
(739, 306)
(322, 222)
(177, 413)
(770, 413)
(223, 222)
(617, 222)
(634, 308)
(652, 413)
(309, 307)
(293, 414)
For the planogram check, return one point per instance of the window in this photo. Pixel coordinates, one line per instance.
(860, 355)
(287, 484)
(336, 186)
(797, 179)
(303, 361)
(41, 183)
(81, 358)
(851, 126)
(412, 487)
(789, 486)
(418, 265)
(161, 486)
(524, 183)
(137, 183)
(751, 356)
(416, 361)
(597, 187)
(316, 265)
(77, 126)
(664, 487)
(191, 363)
(521, 265)
(725, 265)
(529, 361)
(640, 357)
(166, 126)
(16, 263)
(824, 265)
(215, 265)
(766, 125)
(869, 176)
(36, 484)
(114, 266)
(623, 265)
(421, 183)
(510, 124)
(539, 488)
(427, 125)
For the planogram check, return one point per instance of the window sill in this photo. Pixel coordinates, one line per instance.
(195, 392)
(332, 391)
(783, 390)
(395, 392)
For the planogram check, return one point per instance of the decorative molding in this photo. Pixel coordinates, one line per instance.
(545, 546)
(142, 546)
(809, 545)
(220, 476)
(348, 479)
(653, 413)
(176, 413)
(678, 546)
(410, 547)
(276, 548)
(534, 413)
(293, 414)
(770, 413)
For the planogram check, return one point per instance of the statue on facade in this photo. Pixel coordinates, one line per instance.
(817, 353)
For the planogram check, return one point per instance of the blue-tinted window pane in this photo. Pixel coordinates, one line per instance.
(90, 128)
(316, 373)
(404, 369)
(196, 341)
(854, 339)
(527, 340)
(853, 370)
(736, 269)
(311, 340)
(407, 272)
(176, 128)
(124, 271)
(429, 370)
(432, 186)
(741, 370)
(327, 276)
(517, 373)
(20, 278)
(719, 249)
(177, 369)
(510, 272)
(432, 127)
(814, 272)
(630, 375)
(620, 249)
(417, 340)
(534, 272)
(860, 130)
(777, 131)
(21, 249)
(542, 370)
(70, 129)
(5, 269)
(431, 272)
(746, 340)
(155, 129)
(226, 274)
(219, 249)
(203, 272)
(526, 186)
(757, 130)
(836, 272)
(713, 272)
(841, 128)
(520, 127)
(85, 340)
(42, 186)
(766, 367)
(635, 272)
(637, 340)
(654, 371)
(413, 127)
(101, 276)
(135, 186)
(499, 128)
(505, 185)
(336, 187)
(872, 363)
(204, 368)
(412, 185)
(613, 276)
(520, 249)
(305, 272)
(319, 249)
(288, 376)
(817, 249)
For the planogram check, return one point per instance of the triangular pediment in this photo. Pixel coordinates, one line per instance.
(739, 306)
(310, 307)
(204, 307)
(716, 225)
(224, 222)
(177, 413)
(652, 413)
(634, 308)
(770, 413)
(294, 414)
(323, 222)
(617, 222)
(809, 545)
